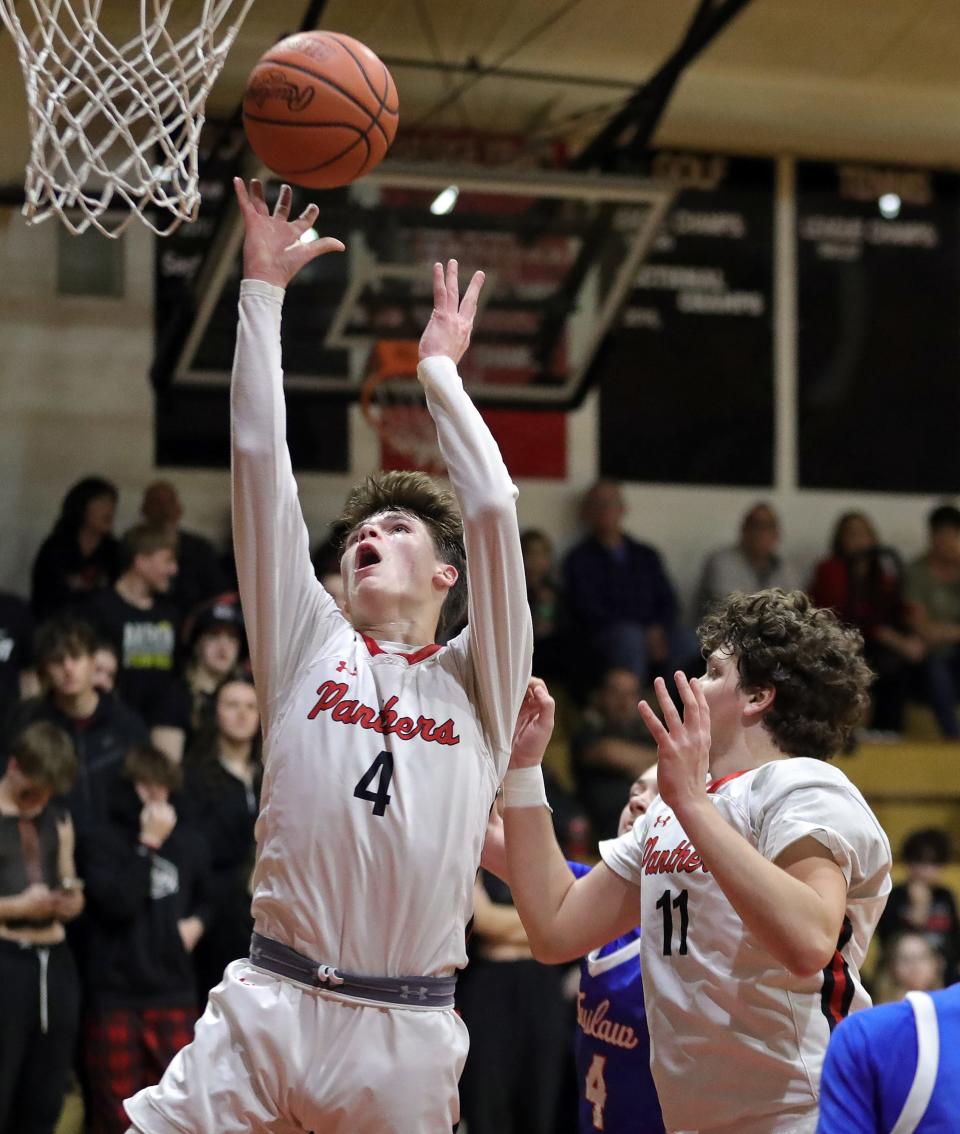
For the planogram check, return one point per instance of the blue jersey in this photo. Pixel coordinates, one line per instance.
(615, 1086)
(871, 1063)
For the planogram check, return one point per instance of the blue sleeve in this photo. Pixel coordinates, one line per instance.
(868, 1071)
(578, 869)
(846, 1085)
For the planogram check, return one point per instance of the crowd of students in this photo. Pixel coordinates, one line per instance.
(132, 775)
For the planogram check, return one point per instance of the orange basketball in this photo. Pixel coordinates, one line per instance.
(320, 109)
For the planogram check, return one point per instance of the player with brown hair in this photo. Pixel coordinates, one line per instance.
(758, 875)
(383, 752)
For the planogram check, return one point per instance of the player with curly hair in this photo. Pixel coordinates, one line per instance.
(761, 870)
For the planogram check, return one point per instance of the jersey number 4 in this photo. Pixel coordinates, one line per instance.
(595, 1089)
(380, 770)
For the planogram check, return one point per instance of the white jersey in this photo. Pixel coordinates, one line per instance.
(736, 1039)
(381, 762)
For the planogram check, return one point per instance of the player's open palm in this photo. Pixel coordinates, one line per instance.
(683, 743)
(272, 249)
(451, 322)
(534, 726)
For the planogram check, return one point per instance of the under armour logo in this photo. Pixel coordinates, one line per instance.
(343, 667)
(662, 820)
(420, 992)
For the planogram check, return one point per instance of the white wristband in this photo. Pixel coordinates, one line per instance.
(524, 787)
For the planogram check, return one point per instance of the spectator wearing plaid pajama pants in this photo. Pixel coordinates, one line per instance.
(148, 881)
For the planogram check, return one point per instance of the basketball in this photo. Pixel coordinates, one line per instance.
(320, 109)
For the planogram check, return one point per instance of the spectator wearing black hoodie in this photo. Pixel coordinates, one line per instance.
(224, 774)
(101, 727)
(81, 555)
(148, 887)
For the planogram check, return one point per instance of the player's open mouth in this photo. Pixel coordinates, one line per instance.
(366, 557)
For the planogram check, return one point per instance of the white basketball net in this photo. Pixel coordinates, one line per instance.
(115, 126)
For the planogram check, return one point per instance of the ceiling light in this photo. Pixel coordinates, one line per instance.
(309, 236)
(444, 201)
(890, 205)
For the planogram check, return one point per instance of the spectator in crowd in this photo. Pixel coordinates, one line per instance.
(214, 637)
(106, 663)
(550, 644)
(39, 892)
(611, 748)
(18, 679)
(752, 564)
(136, 615)
(148, 883)
(909, 964)
(620, 599)
(99, 726)
(933, 587)
(199, 576)
(861, 582)
(519, 1035)
(224, 773)
(81, 555)
(895, 1068)
(922, 903)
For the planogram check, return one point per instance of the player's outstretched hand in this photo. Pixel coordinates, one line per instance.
(272, 250)
(450, 325)
(534, 726)
(683, 745)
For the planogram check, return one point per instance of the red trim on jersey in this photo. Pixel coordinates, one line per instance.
(711, 788)
(411, 659)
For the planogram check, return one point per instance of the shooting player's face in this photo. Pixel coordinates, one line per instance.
(725, 698)
(390, 560)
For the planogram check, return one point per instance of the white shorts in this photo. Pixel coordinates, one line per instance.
(272, 1056)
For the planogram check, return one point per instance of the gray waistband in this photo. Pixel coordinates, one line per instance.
(408, 992)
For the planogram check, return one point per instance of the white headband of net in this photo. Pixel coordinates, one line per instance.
(114, 127)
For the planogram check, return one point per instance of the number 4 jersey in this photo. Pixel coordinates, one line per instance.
(615, 1087)
(737, 1041)
(381, 760)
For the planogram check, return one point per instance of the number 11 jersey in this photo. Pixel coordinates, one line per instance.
(737, 1041)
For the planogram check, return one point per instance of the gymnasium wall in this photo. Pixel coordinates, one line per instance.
(75, 399)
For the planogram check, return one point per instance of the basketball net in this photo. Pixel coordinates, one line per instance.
(116, 126)
(394, 405)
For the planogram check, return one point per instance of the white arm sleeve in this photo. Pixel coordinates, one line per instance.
(286, 611)
(499, 636)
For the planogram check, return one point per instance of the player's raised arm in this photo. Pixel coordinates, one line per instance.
(500, 632)
(283, 602)
(564, 917)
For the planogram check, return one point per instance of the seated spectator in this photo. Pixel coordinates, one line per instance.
(922, 903)
(18, 679)
(933, 587)
(81, 555)
(611, 749)
(909, 964)
(39, 892)
(142, 623)
(547, 610)
(106, 663)
(214, 637)
(199, 576)
(751, 564)
(621, 602)
(100, 727)
(518, 1021)
(224, 773)
(148, 883)
(861, 582)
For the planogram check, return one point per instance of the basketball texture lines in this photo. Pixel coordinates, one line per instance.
(320, 109)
